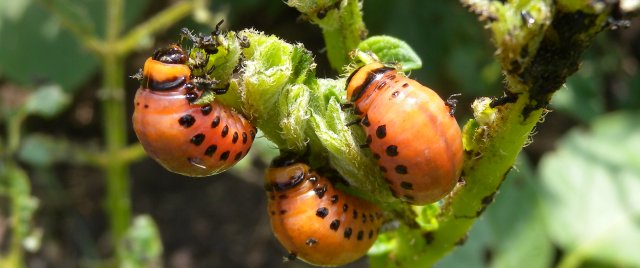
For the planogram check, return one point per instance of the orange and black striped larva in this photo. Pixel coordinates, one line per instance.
(316, 222)
(189, 139)
(411, 132)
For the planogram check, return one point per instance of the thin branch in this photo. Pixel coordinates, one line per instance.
(160, 21)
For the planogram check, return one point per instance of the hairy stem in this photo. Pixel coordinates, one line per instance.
(345, 35)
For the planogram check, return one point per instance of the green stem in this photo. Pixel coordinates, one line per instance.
(114, 128)
(13, 131)
(345, 35)
(117, 176)
(341, 24)
(483, 175)
(160, 21)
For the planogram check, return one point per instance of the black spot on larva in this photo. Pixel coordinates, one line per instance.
(364, 218)
(381, 131)
(293, 181)
(146, 106)
(334, 225)
(405, 85)
(406, 185)
(224, 156)
(273, 212)
(272, 196)
(137, 103)
(211, 150)
(283, 211)
(206, 110)
(355, 214)
(238, 156)
(334, 199)
(365, 121)
(215, 122)
(311, 242)
(369, 140)
(155, 85)
(320, 191)
(347, 232)
(225, 131)
(395, 94)
(392, 150)
(244, 137)
(371, 217)
(401, 169)
(191, 96)
(189, 86)
(376, 156)
(252, 133)
(291, 257)
(322, 212)
(370, 234)
(345, 207)
(409, 198)
(383, 169)
(235, 137)
(186, 120)
(283, 196)
(197, 139)
(360, 235)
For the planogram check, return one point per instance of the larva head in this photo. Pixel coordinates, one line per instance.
(166, 70)
(359, 82)
(315, 221)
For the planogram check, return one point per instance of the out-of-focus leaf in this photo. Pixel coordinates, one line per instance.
(471, 58)
(35, 46)
(392, 50)
(47, 101)
(582, 97)
(590, 187)
(12, 10)
(471, 254)
(518, 228)
(41, 150)
(142, 246)
(437, 31)
(511, 230)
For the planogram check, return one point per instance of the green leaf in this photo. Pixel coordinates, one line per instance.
(47, 101)
(392, 50)
(142, 246)
(590, 188)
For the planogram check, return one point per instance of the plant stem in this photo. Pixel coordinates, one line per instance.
(114, 128)
(484, 175)
(162, 20)
(13, 131)
(343, 36)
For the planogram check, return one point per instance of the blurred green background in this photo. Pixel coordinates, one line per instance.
(570, 201)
